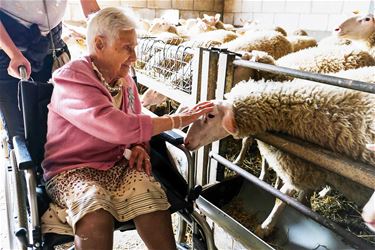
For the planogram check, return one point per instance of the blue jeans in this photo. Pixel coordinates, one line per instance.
(9, 113)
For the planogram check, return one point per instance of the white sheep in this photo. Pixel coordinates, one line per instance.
(75, 38)
(327, 59)
(333, 40)
(368, 213)
(160, 25)
(360, 28)
(210, 38)
(252, 25)
(215, 21)
(271, 42)
(301, 109)
(299, 42)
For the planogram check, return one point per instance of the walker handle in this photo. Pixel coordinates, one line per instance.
(23, 72)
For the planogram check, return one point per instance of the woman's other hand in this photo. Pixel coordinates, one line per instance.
(15, 62)
(140, 159)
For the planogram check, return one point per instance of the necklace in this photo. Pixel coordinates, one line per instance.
(113, 90)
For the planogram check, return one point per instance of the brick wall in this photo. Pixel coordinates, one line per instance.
(150, 9)
(319, 15)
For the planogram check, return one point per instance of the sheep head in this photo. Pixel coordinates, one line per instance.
(211, 127)
(359, 27)
(211, 20)
(368, 213)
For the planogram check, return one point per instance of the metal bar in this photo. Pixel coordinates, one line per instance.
(349, 237)
(359, 172)
(206, 230)
(331, 80)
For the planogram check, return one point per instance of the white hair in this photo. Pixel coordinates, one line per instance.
(108, 22)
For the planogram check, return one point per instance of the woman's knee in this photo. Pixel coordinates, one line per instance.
(99, 220)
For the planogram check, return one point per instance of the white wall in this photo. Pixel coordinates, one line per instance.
(318, 15)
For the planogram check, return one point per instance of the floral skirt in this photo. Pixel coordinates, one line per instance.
(123, 192)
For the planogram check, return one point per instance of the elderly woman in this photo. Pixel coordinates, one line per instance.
(94, 115)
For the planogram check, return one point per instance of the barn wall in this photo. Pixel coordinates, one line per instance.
(319, 15)
(291, 14)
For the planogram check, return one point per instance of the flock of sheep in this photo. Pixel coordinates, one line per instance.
(340, 120)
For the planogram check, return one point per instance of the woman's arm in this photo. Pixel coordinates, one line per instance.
(15, 55)
(89, 6)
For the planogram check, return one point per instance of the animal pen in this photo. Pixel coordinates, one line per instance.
(208, 74)
(230, 200)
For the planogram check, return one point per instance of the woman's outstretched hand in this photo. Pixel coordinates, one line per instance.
(190, 115)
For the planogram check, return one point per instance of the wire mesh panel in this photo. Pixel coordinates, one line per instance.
(168, 64)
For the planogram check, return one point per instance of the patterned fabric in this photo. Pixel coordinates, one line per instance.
(123, 192)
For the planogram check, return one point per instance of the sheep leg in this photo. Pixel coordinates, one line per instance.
(277, 182)
(304, 197)
(246, 142)
(263, 173)
(326, 190)
(268, 224)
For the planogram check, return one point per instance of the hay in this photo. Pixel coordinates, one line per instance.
(336, 207)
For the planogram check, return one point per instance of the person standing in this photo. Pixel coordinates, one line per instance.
(27, 29)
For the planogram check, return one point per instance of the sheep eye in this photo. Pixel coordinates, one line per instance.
(210, 116)
(367, 19)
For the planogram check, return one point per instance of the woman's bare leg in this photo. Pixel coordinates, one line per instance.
(156, 230)
(94, 231)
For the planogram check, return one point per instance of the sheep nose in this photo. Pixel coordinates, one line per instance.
(337, 29)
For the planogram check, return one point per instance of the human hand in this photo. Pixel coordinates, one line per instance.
(191, 114)
(17, 61)
(140, 160)
(370, 147)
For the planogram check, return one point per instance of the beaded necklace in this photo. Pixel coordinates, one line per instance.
(113, 90)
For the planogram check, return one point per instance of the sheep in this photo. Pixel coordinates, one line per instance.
(301, 42)
(300, 32)
(75, 38)
(271, 42)
(160, 25)
(252, 25)
(327, 59)
(300, 109)
(194, 28)
(333, 40)
(211, 38)
(215, 21)
(368, 212)
(360, 28)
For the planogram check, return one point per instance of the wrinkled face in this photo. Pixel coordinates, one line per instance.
(359, 27)
(205, 130)
(118, 56)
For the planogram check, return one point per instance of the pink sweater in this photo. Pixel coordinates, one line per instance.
(84, 128)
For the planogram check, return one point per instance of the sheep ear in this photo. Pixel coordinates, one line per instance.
(205, 16)
(217, 17)
(182, 21)
(229, 124)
